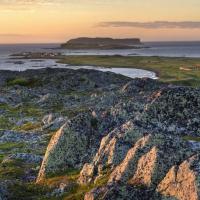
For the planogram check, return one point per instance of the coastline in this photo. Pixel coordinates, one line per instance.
(168, 69)
(174, 70)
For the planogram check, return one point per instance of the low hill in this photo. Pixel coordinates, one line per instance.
(102, 43)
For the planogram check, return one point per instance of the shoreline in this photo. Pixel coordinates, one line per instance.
(174, 70)
(168, 69)
(127, 72)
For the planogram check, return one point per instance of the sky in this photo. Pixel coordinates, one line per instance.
(56, 21)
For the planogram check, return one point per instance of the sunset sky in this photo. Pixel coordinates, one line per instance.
(42, 21)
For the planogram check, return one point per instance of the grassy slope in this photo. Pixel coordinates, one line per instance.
(168, 69)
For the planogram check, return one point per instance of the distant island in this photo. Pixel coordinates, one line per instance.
(102, 43)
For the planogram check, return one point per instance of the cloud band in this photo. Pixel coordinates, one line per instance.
(153, 25)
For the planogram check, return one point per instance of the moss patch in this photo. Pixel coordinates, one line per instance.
(14, 169)
(11, 145)
(31, 82)
(28, 191)
(28, 126)
(191, 138)
(79, 191)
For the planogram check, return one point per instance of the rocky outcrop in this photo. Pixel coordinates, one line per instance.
(152, 165)
(137, 164)
(122, 171)
(145, 168)
(183, 181)
(134, 138)
(149, 164)
(71, 146)
(110, 154)
(131, 139)
(124, 192)
(176, 111)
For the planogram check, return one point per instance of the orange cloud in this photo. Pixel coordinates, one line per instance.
(154, 25)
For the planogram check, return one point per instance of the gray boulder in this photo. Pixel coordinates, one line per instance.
(73, 144)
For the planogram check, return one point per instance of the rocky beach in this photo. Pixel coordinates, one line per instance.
(86, 134)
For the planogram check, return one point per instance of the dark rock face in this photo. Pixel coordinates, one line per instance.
(176, 111)
(101, 43)
(4, 190)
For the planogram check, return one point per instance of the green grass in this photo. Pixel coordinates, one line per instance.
(191, 138)
(12, 114)
(29, 191)
(29, 126)
(10, 145)
(1, 157)
(79, 191)
(5, 123)
(11, 170)
(68, 172)
(23, 82)
(168, 69)
(70, 177)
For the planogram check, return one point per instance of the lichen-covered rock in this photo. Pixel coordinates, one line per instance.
(146, 165)
(124, 134)
(53, 122)
(145, 168)
(125, 169)
(139, 85)
(176, 111)
(71, 146)
(112, 150)
(183, 181)
(4, 190)
(124, 192)
(135, 157)
(150, 158)
(15, 136)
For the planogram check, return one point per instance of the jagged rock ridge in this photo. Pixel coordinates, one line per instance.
(145, 142)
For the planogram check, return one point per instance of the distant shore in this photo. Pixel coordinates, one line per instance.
(99, 43)
(178, 71)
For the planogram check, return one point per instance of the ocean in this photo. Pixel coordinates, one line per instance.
(168, 49)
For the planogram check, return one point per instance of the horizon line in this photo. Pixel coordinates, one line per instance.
(37, 43)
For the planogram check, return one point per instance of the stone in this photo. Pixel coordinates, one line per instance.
(124, 192)
(111, 153)
(71, 146)
(176, 111)
(150, 158)
(183, 181)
